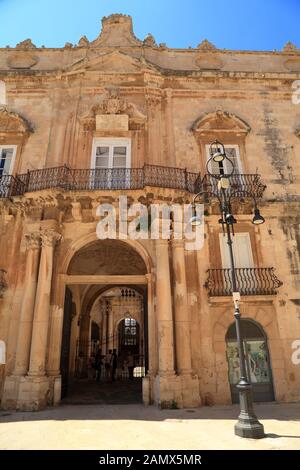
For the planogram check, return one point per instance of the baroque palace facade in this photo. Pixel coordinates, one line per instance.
(82, 125)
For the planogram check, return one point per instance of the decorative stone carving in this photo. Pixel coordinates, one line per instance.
(297, 133)
(27, 44)
(153, 100)
(116, 31)
(220, 121)
(33, 240)
(113, 62)
(13, 123)
(113, 104)
(290, 48)
(68, 45)
(149, 41)
(206, 45)
(83, 42)
(21, 60)
(50, 237)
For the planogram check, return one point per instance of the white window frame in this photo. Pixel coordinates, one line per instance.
(239, 168)
(12, 163)
(225, 255)
(111, 142)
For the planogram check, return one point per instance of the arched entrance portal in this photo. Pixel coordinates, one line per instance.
(111, 316)
(257, 361)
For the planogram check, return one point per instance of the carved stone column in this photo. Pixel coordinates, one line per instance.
(152, 353)
(27, 308)
(169, 125)
(104, 328)
(110, 336)
(49, 239)
(164, 310)
(182, 323)
(154, 128)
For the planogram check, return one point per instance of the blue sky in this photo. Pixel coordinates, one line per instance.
(231, 24)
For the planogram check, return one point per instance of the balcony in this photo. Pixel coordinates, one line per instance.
(250, 281)
(66, 178)
(11, 186)
(240, 186)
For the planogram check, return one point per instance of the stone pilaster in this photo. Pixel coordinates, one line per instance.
(164, 310)
(182, 321)
(104, 330)
(49, 238)
(27, 308)
(110, 334)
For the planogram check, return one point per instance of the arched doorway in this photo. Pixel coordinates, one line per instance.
(257, 361)
(105, 304)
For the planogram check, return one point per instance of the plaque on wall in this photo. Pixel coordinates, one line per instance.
(112, 122)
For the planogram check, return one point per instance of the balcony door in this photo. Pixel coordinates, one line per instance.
(7, 158)
(233, 154)
(111, 161)
(242, 250)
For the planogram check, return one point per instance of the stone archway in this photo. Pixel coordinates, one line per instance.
(95, 266)
(266, 318)
(257, 357)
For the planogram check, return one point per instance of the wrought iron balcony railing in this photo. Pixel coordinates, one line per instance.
(11, 186)
(240, 186)
(67, 178)
(250, 281)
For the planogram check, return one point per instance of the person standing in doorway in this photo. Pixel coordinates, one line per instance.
(98, 365)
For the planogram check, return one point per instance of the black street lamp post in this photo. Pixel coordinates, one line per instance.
(248, 425)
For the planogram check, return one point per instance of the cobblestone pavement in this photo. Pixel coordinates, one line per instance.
(135, 426)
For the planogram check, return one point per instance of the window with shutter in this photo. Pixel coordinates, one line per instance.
(242, 251)
(7, 157)
(232, 152)
(111, 153)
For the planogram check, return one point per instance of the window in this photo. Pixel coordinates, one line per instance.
(2, 93)
(242, 251)
(130, 333)
(111, 153)
(233, 153)
(7, 157)
(110, 159)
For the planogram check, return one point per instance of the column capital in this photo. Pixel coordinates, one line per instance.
(32, 240)
(162, 242)
(178, 243)
(50, 237)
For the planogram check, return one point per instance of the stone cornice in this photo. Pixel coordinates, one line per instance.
(60, 75)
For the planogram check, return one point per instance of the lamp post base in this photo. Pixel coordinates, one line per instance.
(248, 425)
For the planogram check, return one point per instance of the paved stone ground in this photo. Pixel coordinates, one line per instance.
(104, 393)
(135, 426)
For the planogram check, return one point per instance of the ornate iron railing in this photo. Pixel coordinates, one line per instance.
(67, 178)
(250, 281)
(240, 186)
(11, 186)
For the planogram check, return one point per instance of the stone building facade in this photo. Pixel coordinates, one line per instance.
(85, 124)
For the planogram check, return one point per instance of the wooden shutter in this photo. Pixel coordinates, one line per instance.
(242, 251)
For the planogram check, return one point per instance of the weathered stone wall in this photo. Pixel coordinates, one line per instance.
(247, 97)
